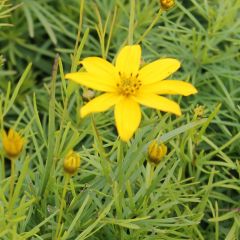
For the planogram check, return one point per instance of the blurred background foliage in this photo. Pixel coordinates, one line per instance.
(204, 35)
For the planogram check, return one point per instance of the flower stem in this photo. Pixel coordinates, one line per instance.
(150, 26)
(150, 174)
(58, 232)
(120, 163)
(2, 171)
(104, 161)
(131, 22)
(12, 180)
(11, 190)
(120, 158)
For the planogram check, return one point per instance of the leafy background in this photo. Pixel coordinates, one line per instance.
(192, 194)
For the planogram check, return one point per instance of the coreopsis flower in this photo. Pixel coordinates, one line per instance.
(12, 143)
(167, 4)
(71, 162)
(156, 152)
(127, 86)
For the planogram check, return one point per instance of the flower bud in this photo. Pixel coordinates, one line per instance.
(12, 143)
(199, 111)
(156, 152)
(88, 94)
(71, 162)
(167, 4)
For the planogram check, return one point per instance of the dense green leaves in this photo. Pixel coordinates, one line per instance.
(192, 194)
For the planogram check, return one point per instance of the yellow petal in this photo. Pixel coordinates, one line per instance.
(128, 60)
(11, 133)
(100, 104)
(127, 117)
(158, 70)
(101, 68)
(161, 103)
(4, 135)
(170, 87)
(88, 80)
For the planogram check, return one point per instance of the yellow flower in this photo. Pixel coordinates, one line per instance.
(126, 86)
(12, 143)
(167, 4)
(71, 162)
(156, 152)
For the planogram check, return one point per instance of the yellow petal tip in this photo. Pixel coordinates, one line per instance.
(195, 91)
(82, 113)
(66, 75)
(178, 111)
(125, 138)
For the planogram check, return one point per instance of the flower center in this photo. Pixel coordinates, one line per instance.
(128, 85)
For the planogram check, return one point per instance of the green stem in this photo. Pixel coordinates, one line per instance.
(131, 22)
(2, 171)
(12, 179)
(51, 129)
(104, 161)
(120, 157)
(150, 174)
(81, 6)
(120, 164)
(58, 232)
(150, 26)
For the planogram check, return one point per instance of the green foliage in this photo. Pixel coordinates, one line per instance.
(192, 194)
(1, 61)
(5, 11)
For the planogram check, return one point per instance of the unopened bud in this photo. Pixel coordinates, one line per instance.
(156, 152)
(199, 111)
(167, 4)
(12, 143)
(88, 94)
(71, 162)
